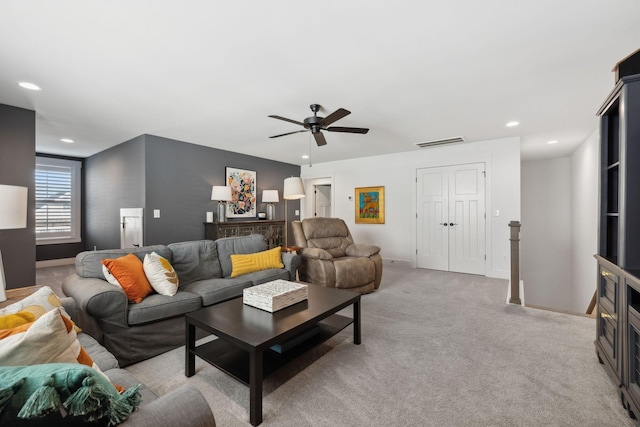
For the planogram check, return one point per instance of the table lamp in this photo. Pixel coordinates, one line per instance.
(270, 197)
(293, 190)
(13, 214)
(221, 194)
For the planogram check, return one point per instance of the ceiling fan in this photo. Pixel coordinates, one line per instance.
(315, 124)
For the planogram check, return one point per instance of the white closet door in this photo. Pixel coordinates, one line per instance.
(451, 218)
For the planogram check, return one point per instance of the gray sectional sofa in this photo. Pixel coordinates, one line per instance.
(183, 403)
(134, 332)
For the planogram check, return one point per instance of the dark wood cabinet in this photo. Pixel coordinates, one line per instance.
(271, 230)
(618, 283)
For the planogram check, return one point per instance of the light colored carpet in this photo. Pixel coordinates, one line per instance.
(438, 349)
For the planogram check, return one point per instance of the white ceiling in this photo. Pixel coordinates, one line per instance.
(210, 72)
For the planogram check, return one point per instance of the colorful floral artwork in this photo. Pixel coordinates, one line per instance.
(243, 193)
(370, 205)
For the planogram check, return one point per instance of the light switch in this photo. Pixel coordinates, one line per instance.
(156, 213)
(297, 212)
(497, 212)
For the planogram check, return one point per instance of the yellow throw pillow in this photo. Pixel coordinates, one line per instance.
(38, 303)
(161, 275)
(129, 273)
(243, 264)
(8, 321)
(49, 339)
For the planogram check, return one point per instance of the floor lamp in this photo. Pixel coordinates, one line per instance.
(13, 214)
(293, 190)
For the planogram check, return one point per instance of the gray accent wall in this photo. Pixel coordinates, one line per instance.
(173, 177)
(17, 167)
(114, 179)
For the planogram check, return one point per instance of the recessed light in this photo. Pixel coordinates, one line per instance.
(67, 140)
(512, 124)
(305, 157)
(29, 86)
(554, 141)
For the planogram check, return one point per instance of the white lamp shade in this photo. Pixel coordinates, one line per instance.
(270, 196)
(221, 193)
(13, 207)
(293, 188)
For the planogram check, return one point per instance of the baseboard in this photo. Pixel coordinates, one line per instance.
(55, 262)
(555, 310)
(397, 262)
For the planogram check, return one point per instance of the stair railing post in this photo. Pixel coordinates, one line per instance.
(515, 262)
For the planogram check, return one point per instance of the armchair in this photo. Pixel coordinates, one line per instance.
(331, 258)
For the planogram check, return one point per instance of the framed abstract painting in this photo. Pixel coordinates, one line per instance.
(369, 205)
(243, 193)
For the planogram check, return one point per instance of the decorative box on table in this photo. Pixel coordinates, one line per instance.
(275, 295)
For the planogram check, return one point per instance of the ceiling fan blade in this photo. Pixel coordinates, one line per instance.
(348, 130)
(289, 133)
(287, 120)
(335, 116)
(320, 139)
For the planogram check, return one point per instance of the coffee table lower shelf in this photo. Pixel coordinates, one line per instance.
(234, 361)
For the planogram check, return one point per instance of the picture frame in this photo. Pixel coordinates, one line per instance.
(244, 186)
(369, 206)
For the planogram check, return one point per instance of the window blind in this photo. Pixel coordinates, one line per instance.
(54, 213)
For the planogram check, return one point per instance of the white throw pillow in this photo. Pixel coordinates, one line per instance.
(109, 277)
(160, 274)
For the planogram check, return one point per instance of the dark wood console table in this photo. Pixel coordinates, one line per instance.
(271, 230)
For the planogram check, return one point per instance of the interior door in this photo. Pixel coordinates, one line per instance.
(451, 218)
(131, 231)
(433, 198)
(322, 201)
(466, 219)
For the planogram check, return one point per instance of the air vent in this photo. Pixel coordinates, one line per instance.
(446, 141)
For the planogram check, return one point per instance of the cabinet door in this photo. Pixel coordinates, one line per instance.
(608, 318)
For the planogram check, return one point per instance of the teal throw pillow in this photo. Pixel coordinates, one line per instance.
(62, 393)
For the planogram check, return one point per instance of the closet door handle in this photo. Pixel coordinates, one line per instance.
(452, 224)
(444, 223)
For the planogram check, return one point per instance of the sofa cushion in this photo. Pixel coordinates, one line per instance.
(129, 273)
(213, 291)
(61, 393)
(88, 263)
(195, 260)
(238, 245)
(101, 357)
(158, 307)
(248, 263)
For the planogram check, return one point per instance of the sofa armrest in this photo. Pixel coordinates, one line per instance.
(174, 409)
(315, 253)
(97, 298)
(70, 307)
(361, 250)
(291, 263)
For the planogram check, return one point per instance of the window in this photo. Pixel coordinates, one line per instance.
(57, 201)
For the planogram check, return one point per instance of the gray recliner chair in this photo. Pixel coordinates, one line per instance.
(331, 258)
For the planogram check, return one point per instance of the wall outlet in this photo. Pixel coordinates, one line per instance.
(156, 213)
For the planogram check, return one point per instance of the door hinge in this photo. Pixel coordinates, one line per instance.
(484, 173)
(485, 257)
(485, 215)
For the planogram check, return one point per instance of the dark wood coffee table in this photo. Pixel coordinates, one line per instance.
(246, 335)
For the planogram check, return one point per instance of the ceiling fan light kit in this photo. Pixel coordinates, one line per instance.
(315, 124)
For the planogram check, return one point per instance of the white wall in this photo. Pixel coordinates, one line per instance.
(397, 173)
(585, 163)
(560, 228)
(546, 232)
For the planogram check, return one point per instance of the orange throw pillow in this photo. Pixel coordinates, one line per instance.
(129, 272)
